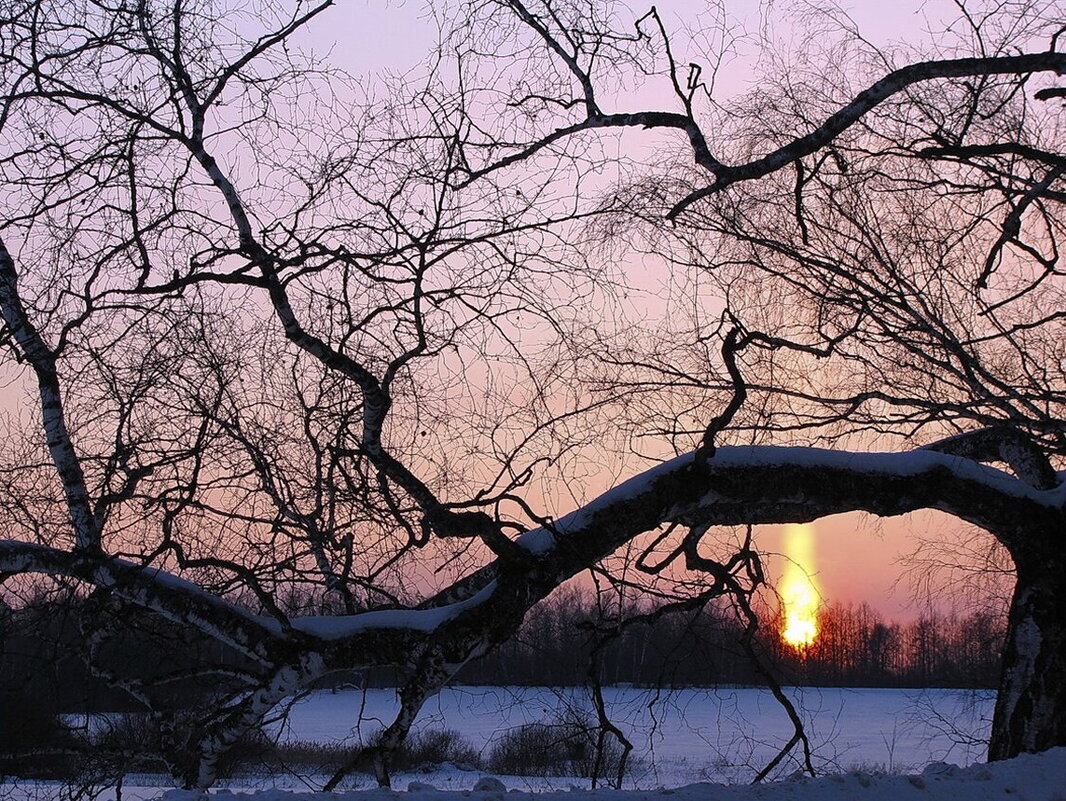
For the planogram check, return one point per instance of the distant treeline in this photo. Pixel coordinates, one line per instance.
(43, 652)
(856, 647)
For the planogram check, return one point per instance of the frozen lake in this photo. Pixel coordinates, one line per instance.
(686, 735)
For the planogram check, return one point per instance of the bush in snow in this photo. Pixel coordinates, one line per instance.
(433, 747)
(137, 742)
(565, 746)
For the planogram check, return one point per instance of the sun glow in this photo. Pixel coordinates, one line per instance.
(800, 597)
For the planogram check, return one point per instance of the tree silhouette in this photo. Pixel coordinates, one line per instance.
(283, 332)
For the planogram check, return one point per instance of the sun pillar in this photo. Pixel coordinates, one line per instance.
(800, 598)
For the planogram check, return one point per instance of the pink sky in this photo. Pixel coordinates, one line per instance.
(858, 556)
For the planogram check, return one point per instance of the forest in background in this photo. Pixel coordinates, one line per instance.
(856, 647)
(43, 655)
(266, 322)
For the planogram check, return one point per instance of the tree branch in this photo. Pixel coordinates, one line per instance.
(1003, 444)
(893, 83)
(32, 348)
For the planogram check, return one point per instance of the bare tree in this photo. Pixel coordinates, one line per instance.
(890, 274)
(284, 334)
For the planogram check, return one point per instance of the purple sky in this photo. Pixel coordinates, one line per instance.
(857, 555)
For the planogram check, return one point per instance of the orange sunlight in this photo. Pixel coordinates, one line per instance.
(800, 598)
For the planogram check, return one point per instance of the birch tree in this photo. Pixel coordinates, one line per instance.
(886, 238)
(281, 332)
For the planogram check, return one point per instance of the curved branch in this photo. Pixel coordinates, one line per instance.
(893, 83)
(769, 484)
(1003, 444)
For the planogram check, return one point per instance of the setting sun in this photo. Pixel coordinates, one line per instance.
(800, 598)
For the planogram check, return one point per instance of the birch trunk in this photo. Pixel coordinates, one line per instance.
(1030, 713)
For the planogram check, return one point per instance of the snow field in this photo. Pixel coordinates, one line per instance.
(1031, 777)
(722, 734)
(690, 744)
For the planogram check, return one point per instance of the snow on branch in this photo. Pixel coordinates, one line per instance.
(172, 597)
(770, 484)
(258, 637)
(749, 484)
(414, 620)
(1003, 444)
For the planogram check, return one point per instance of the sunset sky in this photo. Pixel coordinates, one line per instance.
(857, 557)
(352, 346)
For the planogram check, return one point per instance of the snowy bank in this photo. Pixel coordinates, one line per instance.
(1031, 777)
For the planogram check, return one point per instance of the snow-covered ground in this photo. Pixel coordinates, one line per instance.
(686, 735)
(873, 745)
(1032, 777)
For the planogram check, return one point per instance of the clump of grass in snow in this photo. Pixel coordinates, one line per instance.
(562, 747)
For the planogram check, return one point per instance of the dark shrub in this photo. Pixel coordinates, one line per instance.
(34, 743)
(422, 751)
(427, 749)
(252, 750)
(563, 747)
(129, 742)
(303, 755)
(135, 742)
